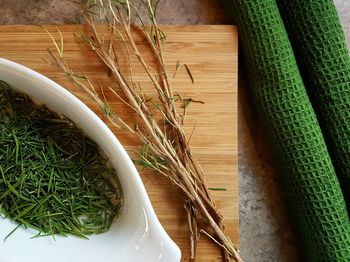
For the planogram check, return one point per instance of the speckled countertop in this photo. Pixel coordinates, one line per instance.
(265, 232)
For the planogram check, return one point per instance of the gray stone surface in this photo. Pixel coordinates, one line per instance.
(265, 230)
(343, 7)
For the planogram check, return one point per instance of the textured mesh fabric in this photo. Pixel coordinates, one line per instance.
(307, 174)
(323, 59)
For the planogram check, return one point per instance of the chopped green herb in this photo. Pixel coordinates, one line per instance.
(52, 177)
(12, 231)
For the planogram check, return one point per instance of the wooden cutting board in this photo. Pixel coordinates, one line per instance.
(210, 52)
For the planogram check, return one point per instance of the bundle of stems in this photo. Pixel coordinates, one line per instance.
(166, 148)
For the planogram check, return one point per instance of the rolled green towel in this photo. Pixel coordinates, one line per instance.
(323, 59)
(307, 174)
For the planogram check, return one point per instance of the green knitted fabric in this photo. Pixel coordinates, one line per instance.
(307, 174)
(320, 48)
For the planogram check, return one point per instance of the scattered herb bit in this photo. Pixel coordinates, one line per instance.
(52, 177)
(189, 73)
(217, 189)
(12, 231)
(185, 103)
(178, 65)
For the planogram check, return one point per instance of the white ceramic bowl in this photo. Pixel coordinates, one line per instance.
(137, 235)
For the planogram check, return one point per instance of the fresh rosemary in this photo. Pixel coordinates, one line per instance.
(52, 177)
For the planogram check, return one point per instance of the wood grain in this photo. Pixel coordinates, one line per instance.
(211, 53)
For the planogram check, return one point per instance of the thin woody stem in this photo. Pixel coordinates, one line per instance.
(192, 224)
